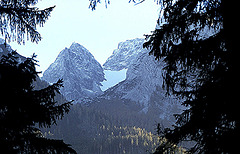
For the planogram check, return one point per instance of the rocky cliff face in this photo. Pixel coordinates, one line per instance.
(141, 91)
(143, 83)
(79, 70)
(126, 53)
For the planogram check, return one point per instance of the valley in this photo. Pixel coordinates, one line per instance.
(122, 117)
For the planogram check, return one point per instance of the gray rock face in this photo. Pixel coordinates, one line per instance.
(143, 83)
(79, 70)
(126, 53)
(142, 87)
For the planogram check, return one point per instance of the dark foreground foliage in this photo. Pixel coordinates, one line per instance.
(22, 108)
(195, 40)
(20, 18)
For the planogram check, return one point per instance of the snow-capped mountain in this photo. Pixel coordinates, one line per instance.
(79, 70)
(143, 83)
(126, 53)
(140, 90)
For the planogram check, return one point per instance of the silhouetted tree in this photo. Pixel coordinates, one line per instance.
(194, 38)
(19, 20)
(22, 108)
(93, 3)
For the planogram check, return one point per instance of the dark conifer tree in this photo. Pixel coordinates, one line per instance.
(22, 109)
(199, 68)
(194, 38)
(19, 20)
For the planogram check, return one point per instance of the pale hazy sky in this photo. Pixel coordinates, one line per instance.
(99, 31)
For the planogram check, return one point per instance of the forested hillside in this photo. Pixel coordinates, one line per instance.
(92, 131)
(123, 118)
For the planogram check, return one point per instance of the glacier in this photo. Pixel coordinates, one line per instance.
(143, 83)
(113, 78)
(129, 76)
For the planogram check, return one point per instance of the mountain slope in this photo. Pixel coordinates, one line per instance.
(79, 70)
(107, 123)
(6, 48)
(143, 83)
(126, 53)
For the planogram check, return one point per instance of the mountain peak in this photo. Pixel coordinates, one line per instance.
(143, 82)
(124, 55)
(79, 70)
(77, 47)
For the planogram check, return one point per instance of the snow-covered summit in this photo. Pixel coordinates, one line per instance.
(143, 74)
(143, 83)
(124, 55)
(116, 66)
(79, 70)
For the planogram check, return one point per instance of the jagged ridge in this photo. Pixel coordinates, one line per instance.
(143, 83)
(80, 71)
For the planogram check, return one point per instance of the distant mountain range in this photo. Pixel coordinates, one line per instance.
(113, 119)
(133, 100)
(142, 85)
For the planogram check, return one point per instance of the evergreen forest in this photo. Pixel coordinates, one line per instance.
(195, 40)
